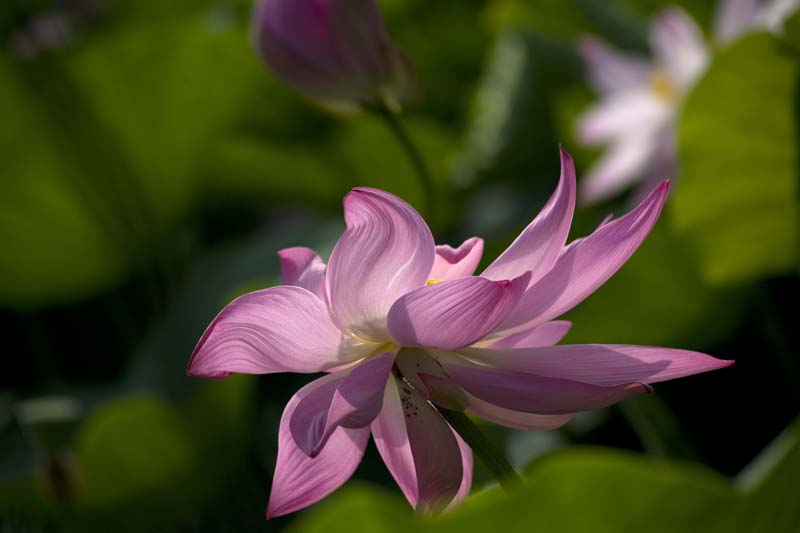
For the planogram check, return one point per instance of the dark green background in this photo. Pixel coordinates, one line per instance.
(151, 168)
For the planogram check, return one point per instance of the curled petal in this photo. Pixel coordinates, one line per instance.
(547, 334)
(452, 263)
(530, 393)
(466, 472)
(600, 364)
(609, 69)
(299, 480)
(352, 402)
(420, 450)
(386, 251)
(453, 314)
(280, 329)
(536, 249)
(307, 423)
(304, 268)
(586, 265)
(514, 419)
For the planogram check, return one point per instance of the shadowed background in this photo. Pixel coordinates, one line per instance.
(151, 167)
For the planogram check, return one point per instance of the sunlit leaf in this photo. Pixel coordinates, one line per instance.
(614, 491)
(737, 194)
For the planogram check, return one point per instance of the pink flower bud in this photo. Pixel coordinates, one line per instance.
(333, 50)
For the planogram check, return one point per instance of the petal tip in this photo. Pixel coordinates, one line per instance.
(565, 156)
(275, 511)
(271, 511)
(196, 369)
(567, 163)
(356, 193)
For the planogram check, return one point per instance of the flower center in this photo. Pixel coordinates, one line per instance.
(434, 281)
(662, 86)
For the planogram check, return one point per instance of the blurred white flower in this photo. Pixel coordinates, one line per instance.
(639, 101)
(640, 97)
(736, 17)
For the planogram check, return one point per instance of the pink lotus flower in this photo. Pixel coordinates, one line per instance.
(401, 325)
(641, 98)
(330, 50)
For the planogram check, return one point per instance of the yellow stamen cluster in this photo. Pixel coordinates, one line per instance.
(434, 281)
(662, 86)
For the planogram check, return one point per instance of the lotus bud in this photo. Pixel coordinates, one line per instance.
(334, 51)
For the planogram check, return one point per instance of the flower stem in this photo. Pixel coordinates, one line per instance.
(494, 459)
(392, 120)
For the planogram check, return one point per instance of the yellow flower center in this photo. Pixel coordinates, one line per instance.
(662, 86)
(433, 281)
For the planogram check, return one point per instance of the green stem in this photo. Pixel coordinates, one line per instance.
(493, 458)
(392, 120)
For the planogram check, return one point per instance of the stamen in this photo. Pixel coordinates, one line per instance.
(662, 86)
(434, 281)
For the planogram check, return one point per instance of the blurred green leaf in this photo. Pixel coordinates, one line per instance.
(50, 219)
(737, 195)
(657, 427)
(613, 20)
(575, 490)
(616, 22)
(108, 146)
(769, 483)
(133, 448)
(220, 416)
(447, 63)
(99, 149)
(373, 157)
(375, 510)
(304, 173)
(552, 17)
(592, 489)
(791, 31)
(702, 11)
(23, 507)
(599, 490)
(511, 137)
